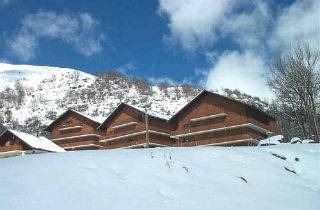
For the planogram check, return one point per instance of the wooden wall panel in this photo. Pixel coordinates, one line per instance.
(70, 121)
(209, 105)
(10, 142)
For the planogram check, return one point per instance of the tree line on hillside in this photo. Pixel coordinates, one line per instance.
(10, 98)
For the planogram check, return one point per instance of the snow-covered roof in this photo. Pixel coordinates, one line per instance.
(152, 113)
(95, 119)
(41, 143)
(274, 140)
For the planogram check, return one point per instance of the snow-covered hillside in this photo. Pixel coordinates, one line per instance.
(38, 94)
(200, 178)
(30, 76)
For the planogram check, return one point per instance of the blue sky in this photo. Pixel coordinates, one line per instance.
(213, 43)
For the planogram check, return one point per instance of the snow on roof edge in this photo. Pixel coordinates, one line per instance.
(100, 121)
(37, 143)
(151, 112)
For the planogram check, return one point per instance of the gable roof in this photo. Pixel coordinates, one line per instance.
(206, 92)
(97, 121)
(100, 122)
(41, 143)
(151, 114)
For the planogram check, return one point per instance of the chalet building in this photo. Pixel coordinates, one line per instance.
(208, 119)
(131, 127)
(212, 119)
(75, 131)
(16, 143)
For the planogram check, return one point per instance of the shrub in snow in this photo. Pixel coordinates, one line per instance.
(295, 140)
(307, 141)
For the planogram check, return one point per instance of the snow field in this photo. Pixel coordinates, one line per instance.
(165, 178)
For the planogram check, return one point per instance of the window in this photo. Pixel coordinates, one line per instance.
(67, 123)
(187, 127)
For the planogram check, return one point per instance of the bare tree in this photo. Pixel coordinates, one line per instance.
(75, 76)
(295, 80)
(163, 86)
(20, 92)
(189, 90)
(8, 115)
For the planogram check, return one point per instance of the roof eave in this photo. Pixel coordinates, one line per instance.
(110, 115)
(204, 91)
(186, 106)
(49, 127)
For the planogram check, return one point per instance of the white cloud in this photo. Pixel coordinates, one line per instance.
(245, 72)
(198, 23)
(299, 22)
(24, 46)
(193, 23)
(249, 29)
(258, 30)
(80, 31)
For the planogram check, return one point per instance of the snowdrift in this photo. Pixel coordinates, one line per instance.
(252, 178)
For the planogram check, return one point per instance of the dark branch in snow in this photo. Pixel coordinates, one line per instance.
(243, 179)
(292, 171)
(279, 156)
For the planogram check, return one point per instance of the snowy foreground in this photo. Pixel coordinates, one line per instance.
(251, 178)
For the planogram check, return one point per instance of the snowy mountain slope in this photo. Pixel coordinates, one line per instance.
(30, 76)
(198, 178)
(46, 92)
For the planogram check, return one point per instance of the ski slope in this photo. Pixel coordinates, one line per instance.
(199, 178)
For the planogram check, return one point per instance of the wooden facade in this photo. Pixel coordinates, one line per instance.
(209, 119)
(10, 142)
(75, 131)
(128, 127)
(212, 119)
